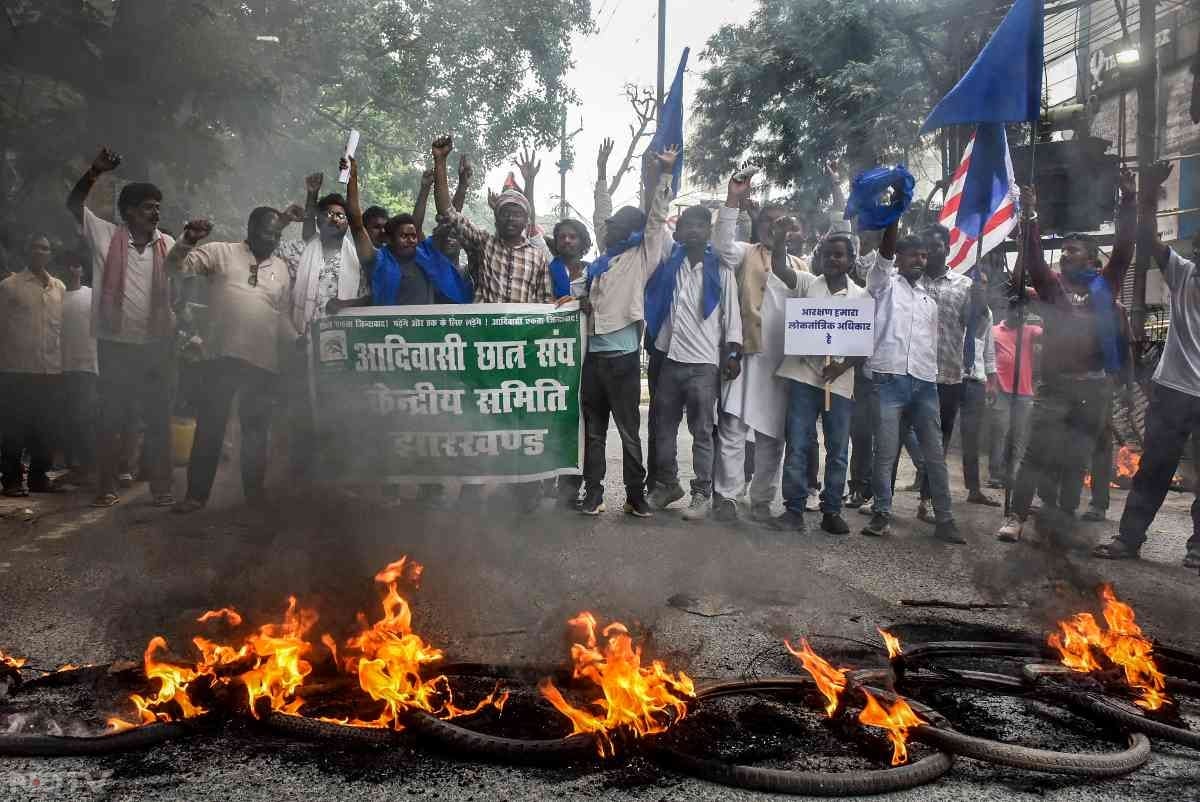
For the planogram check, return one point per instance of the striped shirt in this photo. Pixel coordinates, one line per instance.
(517, 274)
(952, 292)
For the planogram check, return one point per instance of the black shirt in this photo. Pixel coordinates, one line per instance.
(415, 289)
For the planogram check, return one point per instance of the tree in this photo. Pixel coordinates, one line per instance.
(196, 102)
(805, 83)
(642, 100)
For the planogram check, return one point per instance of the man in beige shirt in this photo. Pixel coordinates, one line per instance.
(31, 306)
(249, 309)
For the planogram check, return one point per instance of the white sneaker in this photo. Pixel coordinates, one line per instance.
(698, 509)
(1010, 530)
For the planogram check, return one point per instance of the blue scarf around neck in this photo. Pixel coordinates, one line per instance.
(437, 267)
(660, 289)
(600, 266)
(1101, 300)
(560, 278)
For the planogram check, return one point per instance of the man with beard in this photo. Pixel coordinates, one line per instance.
(135, 326)
(248, 316)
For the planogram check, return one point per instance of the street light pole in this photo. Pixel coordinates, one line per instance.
(662, 57)
(1147, 130)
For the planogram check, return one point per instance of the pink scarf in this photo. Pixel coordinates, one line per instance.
(112, 289)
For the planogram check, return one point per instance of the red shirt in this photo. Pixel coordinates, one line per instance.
(1006, 351)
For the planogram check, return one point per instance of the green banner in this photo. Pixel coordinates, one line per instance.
(474, 392)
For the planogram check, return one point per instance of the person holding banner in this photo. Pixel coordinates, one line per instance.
(757, 399)
(248, 306)
(693, 315)
(905, 369)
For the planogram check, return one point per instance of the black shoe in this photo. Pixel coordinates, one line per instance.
(880, 525)
(593, 501)
(637, 506)
(855, 501)
(834, 524)
(724, 510)
(915, 487)
(947, 532)
(790, 521)
(981, 498)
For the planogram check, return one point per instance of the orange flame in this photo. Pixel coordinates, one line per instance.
(280, 668)
(391, 656)
(892, 643)
(1122, 642)
(10, 661)
(173, 682)
(636, 697)
(830, 681)
(897, 721)
(228, 613)
(1128, 461)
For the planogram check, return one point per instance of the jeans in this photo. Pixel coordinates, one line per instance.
(654, 365)
(739, 463)
(805, 404)
(1010, 431)
(905, 396)
(224, 378)
(29, 412)
(974, 416)
(862, 442)
(613, 385)
(692, 388)
(135, 380)
(1172, 417)
(1067, 417)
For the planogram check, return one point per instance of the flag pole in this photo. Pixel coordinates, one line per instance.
(1010, 469)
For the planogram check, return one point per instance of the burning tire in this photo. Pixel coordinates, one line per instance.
(812, 783)
(1117, 712)
(462, 741)
(70, 746)
(311, 729)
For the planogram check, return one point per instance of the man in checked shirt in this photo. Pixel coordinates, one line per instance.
(512, 270)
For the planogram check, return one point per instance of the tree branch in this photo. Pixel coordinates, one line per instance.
(642, 99)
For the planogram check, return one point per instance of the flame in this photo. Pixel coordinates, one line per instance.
(1122, 642)
(280, 668)
(636, 697)
(897, 721)
(173, 682)
(1128, 461)
(228, 613)
(390, 657)
(12, 662)
(892, 643)
(830, 681)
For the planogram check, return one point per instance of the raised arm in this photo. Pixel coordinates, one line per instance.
(465, 172)
(1127, 222)
(735, 196)
(657, 238)
(880, 274)
(1030, 256)
(602, 210)
(104, 162)
(441, 187)
(185, 257)
(784, 227)
(358, 229)
(312, 189)
(422, 203)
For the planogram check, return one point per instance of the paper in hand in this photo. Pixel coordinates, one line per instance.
(351, 147)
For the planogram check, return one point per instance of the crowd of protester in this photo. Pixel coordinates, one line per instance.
(91, 337)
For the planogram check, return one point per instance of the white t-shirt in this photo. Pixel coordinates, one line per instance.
(139, 278)
(78, 344)
(1179, 367)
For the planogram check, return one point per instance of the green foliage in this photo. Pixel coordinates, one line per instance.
(223, 122)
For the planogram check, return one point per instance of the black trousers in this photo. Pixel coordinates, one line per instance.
(136, 381)
(862, 437)
(653, 371)
(30, 407)
(612, 387)
(1067, 417)
(224, 378)
(1172, 417)
(1102, 463)
(950, 399)
(974, 413)
(80, 411)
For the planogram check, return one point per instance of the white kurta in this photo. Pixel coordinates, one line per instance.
(757, 396)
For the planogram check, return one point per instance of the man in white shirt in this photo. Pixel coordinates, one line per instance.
(80, 368)
(756, 401)
(248, 313)
(135, 326)
(31, 304)
(1174, 414)
(693, 316)
(808, 377)
(905, 369)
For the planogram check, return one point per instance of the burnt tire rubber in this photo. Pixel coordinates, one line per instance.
(920, 653)
(143, 737)
(459, 740)
(1115, 712)
(1078, 764)
(311, 729)
(810, 783)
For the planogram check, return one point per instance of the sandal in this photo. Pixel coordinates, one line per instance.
(106, 500)
(164, 500)
(1115, 549)
(187, 505)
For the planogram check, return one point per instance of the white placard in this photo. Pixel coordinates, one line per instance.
(830, 327)
(351, 147)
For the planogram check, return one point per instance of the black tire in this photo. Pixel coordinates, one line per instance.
(811, 783)
(310, 729)
(68, 746)
(921, 653)
(1079, 764)
(1114, 712)
(462, 741)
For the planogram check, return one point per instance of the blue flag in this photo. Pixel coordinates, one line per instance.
(1004, 85)
(990, 181)
(670, 122)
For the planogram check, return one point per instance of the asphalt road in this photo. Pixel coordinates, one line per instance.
(92, 586)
